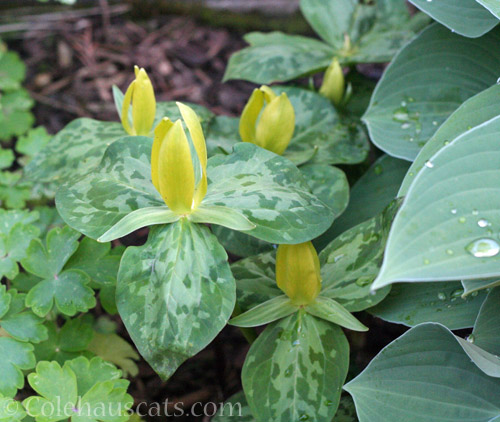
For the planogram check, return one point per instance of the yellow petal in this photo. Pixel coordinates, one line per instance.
(276, 126)
(176, 173)
(125, 108)
(269, 94)
(333, 85)
(143, 104)
(298, 272)
(160, 132)
(250, 115)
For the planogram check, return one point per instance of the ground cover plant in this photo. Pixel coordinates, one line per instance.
(329, 204)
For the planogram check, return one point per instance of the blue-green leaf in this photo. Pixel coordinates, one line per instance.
(265, 313)
(175, 293)
(331, 311)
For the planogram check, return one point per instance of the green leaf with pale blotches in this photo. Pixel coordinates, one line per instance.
(67, 289)
(265, 188)
(11, 410)
(81, 390)
(112, 348)
(295, 370)
(67, 342)
(272, 310)
(16, 358)
(19, 322)
(175, 293)
(235, 408)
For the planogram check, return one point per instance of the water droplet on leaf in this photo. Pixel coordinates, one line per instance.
(483, 248)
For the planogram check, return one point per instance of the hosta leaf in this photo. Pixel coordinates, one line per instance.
(15, 117)
(466, 17)
(474, 286)
(485, 334)
(66, 288)
(414, 303)
(16, 357)
(476, 110)
(266, 312)
(112, 348)
(175, 293)
(80, 390)
(425, 83)
(352, 261)
(295, 370)
(269, 191)
(331, 311)
(275, 57)
(369, 196)
(19, 322)
(121, 184)
(11, 410)
(426, 373)
(65, 343)
(492, 6)
(445, 229)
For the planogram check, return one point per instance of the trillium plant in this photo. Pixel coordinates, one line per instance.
(250, 222)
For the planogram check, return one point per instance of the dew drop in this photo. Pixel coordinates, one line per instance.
(296, 343)
(498, 81)
(471, 338)
(461, 220)
(457, 293)
(483, 248)
(449, 252)
(378, 169)
(434, 123)
(304, 418)
(442, 296)
(426, 261)
(483, 223)
(429, 164)
(364, 281)
(454, 211)
(475, 212)
(405, 126)
(328, 402)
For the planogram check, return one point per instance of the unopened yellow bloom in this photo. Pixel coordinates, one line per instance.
(268, 120)
(298, 272)
(333, 85)
(141, 94)
(172, 165)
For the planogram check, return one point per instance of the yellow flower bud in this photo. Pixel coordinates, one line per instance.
(172, 169)
(141, 94)
(333, 85)
(298, 272)
(268, 120)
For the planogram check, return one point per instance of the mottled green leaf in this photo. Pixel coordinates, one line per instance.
(121, 184)
(295, 370)
(222, 216)
(351, 262)
(266, 312)
(175, 293)
(331, 311)
(414, 303)
(235, 408)
(475, 111)
(428, 80)
(269, 191)
(465, 17)
(368, 197)
(275, 57)
(445, 229)
(425, 375)
(16, 357)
